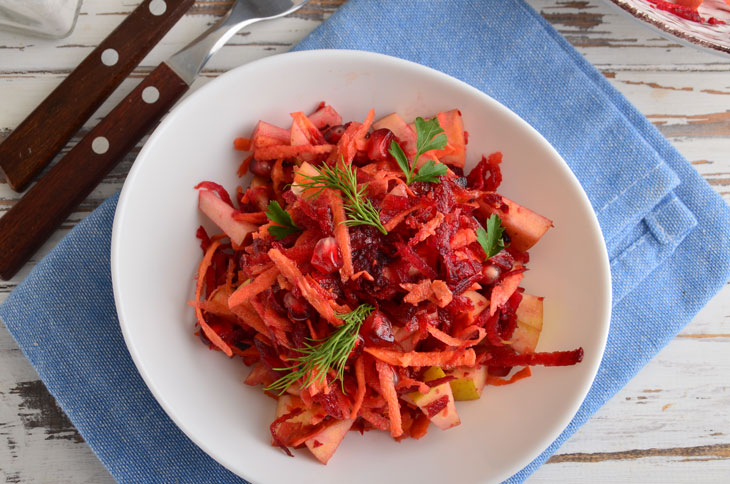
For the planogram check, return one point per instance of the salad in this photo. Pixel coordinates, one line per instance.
(368, 282)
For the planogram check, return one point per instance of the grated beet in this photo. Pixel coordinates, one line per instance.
(554, 358)
(486, 175)
(436, 406)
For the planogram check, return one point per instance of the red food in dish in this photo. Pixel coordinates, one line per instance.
(428, 307)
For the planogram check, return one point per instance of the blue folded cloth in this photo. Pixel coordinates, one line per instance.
(667, 232)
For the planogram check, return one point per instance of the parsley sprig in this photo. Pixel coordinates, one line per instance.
(491, 239)
(285, 225)
(343, 177)
(321, 355)
(429, 136)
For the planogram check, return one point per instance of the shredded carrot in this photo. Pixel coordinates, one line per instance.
(361, 388)
(451, 341)
(253, 217)
(427, 230)
(305, 284)
(447, 358)
(523, 373)
(275, 152)
(359, 139)
(342, 234)
(374, 419)
(387, 387)
(246, 291)
(242, 144)
(364, 274)
(417, 292)
(407, 382)
(419, 427)
(277, 179)
(243, 167)
(393, 223)
(248, 316)
(202, 269)
(503, 290)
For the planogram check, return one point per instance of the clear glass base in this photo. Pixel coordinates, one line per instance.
(53, 19)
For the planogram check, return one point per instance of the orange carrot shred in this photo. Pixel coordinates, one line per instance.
(246, 291)
(307, 285)
(452, 341)
(242, 144)
(252, 217)
(361, 388)
(243, 167)
(342, 234)
(523, 373)
(387, 387)
(202, 269)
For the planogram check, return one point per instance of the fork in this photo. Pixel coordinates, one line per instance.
(25, 227)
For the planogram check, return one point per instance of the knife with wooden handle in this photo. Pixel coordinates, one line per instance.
(34, 143)
(33, 219)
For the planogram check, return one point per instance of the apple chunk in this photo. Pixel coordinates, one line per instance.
(468, 383)
(438, 403)
(523, 226)
(324, 444)
(479, 302)
(221, 214)
(405, 134)
(529, 324)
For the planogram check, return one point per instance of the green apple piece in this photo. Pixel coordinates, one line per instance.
(468, 383)
(529, 311)
(447, 417)
(529, 324)
(324, 444)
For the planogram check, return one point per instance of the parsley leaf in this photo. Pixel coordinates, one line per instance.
(430, 172)
(285, 225)
(491, 239)
(429, 136)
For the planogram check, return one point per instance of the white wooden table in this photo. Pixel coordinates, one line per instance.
(669, 424)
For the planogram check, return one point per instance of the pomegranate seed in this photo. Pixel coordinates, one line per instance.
(379, 143)
(296, 307)
(378, 329)
(327, 257)
(491, 274)
(333, 134)
(261, 168)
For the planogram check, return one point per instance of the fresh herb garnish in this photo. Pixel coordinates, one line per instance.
(491, 239)
(429, 136)
(285, 225)
(328, 353)
(343, 177)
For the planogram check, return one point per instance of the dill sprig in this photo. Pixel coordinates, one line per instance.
(343, 177)
(321, 355)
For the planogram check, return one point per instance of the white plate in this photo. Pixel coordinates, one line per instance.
(711, 38)
(155, 255)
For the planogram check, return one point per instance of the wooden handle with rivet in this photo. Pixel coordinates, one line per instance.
(28, 224)
(34, 143)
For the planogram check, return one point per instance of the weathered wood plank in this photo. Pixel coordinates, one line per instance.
(669, 424)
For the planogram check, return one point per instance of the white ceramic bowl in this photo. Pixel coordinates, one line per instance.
(155, 255)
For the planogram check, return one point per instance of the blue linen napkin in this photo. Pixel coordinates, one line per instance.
(667, 232)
